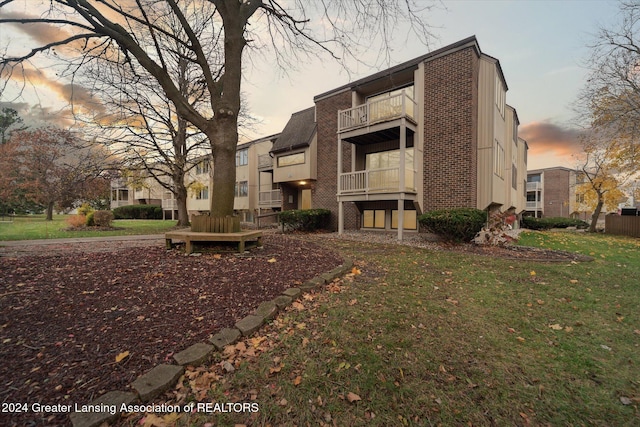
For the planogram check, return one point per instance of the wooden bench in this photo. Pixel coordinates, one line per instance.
(189, 236)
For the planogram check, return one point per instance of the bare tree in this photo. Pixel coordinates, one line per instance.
(113, 29)
(609, 109)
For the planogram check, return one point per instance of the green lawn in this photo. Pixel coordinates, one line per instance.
(426, 338)
(35, 227)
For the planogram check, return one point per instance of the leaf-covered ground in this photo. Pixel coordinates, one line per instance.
(75, 324)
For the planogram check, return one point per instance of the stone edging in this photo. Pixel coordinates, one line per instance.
(162, 377)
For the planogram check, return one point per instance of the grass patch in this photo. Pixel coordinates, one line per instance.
(440, 338)
(36, 227)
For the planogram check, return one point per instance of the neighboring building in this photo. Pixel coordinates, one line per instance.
(431, 133)
(551, 192)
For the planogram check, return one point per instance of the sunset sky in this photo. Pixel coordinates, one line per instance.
(541, 46)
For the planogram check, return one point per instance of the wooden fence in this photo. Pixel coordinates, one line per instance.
(622, 225)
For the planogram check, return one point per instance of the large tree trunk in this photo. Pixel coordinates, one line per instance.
(50, 211)
(181, 200)
(224, 141)
(596, 215)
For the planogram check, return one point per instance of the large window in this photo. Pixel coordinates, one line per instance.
(410, 220)
(291, 159)
(242, 189)
(373, 218)
(242, 157)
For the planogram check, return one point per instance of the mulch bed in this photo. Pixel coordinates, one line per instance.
(66, 316)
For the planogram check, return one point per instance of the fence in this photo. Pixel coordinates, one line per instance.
(622, 225)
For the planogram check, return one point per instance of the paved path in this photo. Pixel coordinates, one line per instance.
(15, 248)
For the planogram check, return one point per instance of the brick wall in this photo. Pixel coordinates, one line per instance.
(450, 131)
(556, 193)
(326, 187)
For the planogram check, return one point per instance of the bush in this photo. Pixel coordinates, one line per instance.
(85, 209)
(548, 223)
(138, 212)
(76, 221)
(461, 224)
(305, 220)
(90, 222)
(102, 218)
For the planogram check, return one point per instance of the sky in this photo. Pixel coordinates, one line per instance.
(542, 47)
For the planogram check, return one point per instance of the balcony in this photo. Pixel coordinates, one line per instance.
(534, 206)
(375, 181)
(169, 204)
(380, 110)
(265, 162)
(534, 186)
(269, 199)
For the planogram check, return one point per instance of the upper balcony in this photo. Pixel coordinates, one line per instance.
(377, 181)
(534, 186)
(376, 111)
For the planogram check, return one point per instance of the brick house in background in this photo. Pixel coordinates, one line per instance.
(551, 192)
(431, 133)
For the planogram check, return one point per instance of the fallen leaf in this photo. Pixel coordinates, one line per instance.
(297, 380)
(120, 357)
(355, 271)
(352, 397)
(298, 306)
(556, 327)
(625, 400)
(520, 339)
(574, 281)
(533, 273)
(272, 260)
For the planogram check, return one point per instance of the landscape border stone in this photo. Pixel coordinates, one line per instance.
(157, 380)
(194, 355)
(95, 419)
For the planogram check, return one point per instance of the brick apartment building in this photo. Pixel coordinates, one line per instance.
(551, 192)
(431, 133)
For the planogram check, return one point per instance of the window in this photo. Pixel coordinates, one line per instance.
(514, 177)
(203, 193)
(534, 178)
(373, 218)
(202, 167)
(500, 95)
(242, 157)
(410, 220)
(498, 159)
(242, 189)
(291, 159)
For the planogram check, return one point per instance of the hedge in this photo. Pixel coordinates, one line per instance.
(138, 212)
(305, 220)
(460, 224)
(555, 222)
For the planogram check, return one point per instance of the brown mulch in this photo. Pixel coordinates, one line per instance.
(68, 311)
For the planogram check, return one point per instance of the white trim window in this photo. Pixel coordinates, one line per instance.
(498, 159)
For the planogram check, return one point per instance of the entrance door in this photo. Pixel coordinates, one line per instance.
(306, 199)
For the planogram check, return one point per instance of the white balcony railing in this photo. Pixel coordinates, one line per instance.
(118, 203)
(269, 198)
(376, 181)
(169, 204)
(534, 186)
(532, 206)
(380, 110)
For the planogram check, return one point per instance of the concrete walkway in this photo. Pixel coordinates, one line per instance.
(38, 242)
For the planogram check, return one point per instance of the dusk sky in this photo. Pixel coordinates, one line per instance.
(541, 46)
